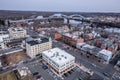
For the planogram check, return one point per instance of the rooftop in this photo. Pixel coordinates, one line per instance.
(10, 50)
(41, 40)
(3, 36)
(105, 54)
(102, 53)
(58, 56)
(74, 35)
(17, 29)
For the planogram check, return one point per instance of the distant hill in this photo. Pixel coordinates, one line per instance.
(19, 14)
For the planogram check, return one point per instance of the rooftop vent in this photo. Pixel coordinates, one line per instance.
(59, 58)
(62, 55)
(53, 55)
(65, 57)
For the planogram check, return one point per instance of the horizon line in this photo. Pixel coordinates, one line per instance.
(61, 11)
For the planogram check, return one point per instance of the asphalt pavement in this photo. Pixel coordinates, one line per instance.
(97, 67)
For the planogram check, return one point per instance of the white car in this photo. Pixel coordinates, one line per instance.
(94, 65)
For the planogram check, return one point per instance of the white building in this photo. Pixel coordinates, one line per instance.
(105, 55)
(35, 47)
(16, 33)
(3, 40)
(59, 60)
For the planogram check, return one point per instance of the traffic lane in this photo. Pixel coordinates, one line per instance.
(96, 70)
(89, 60)
(81, 58)
(83, 61)
(103, 68)
(109, 69)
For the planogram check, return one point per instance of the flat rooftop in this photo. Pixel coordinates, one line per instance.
(3, 36)
(58, 56)
(35, 42)
(17, 29)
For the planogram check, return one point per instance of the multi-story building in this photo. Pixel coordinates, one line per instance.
(54, 34)
(16, 33)
(35, 47)
(72, 39)
(59, 60)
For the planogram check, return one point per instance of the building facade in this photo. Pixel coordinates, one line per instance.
(71, 39)
(16, 33)
(94, 52)
(35, 47)
(59, 60)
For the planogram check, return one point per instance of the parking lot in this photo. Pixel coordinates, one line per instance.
(36, 66)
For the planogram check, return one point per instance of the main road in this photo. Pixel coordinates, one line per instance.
(97, 67)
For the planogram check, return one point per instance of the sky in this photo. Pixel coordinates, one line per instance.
(62, 5)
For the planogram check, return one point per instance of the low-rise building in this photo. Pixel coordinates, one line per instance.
(35, 47)
(91, 36)
(18, 32)
(72, 39)
(59, 60)
(99, 41)
(101, 55)
(53, 34)
(57, 36)
(105, 55)
(113, 48)
(109, 46)
(63, 29)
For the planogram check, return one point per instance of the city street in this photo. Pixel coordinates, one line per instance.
(98, 68)
(35, 65)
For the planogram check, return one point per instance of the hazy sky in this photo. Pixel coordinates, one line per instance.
(62, 5)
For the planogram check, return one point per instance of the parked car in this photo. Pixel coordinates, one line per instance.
(35, 73)
(38, 76)
(93, 65)
(106, 74)
(44, 67)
